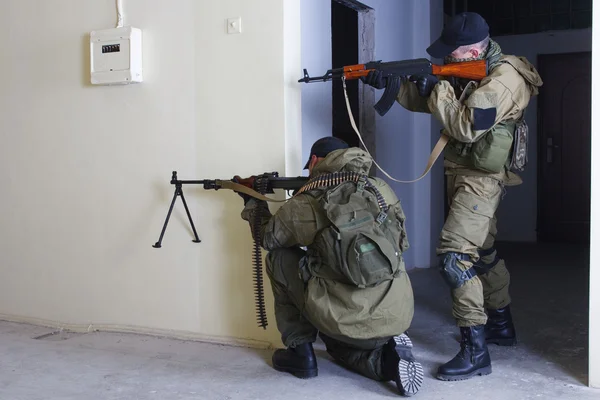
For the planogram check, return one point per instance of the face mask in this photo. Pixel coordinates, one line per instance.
(451, 60)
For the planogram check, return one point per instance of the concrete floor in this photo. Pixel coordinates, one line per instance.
(550, 362)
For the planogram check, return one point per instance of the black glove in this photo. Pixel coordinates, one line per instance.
(244, 196)
(425, 83)
(375, 79)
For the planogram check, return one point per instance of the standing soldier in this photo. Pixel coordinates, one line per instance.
(482, 119)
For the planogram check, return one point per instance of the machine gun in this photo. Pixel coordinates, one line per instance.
(256, 186)
(395, 71)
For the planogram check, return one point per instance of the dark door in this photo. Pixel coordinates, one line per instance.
(344, 51)
(564, 120)
(352, 42)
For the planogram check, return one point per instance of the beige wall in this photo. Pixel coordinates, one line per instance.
(594, 330)
(84, 171)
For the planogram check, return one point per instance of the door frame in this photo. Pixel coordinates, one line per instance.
(541, 144)
(594, 285)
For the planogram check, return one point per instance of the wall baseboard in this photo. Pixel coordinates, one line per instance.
(164, 333)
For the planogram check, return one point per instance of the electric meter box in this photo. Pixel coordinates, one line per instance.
(116, 56)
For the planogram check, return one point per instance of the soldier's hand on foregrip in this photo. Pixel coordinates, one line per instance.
(425, 83)
(248, 182)
(375, 79)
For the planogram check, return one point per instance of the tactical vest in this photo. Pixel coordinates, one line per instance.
(491, 153)
(504, 146)
(364, 242)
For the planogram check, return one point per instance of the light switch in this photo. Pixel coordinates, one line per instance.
(234, 25)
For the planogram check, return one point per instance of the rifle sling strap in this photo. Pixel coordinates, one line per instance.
(245, 189)
(435, 153)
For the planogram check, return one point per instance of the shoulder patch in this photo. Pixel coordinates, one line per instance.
(483, 118)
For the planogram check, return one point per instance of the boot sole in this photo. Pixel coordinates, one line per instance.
(410, 377)
(410, 373)
(298, 373)
(502, 342)
(403, 341)
(480, 371)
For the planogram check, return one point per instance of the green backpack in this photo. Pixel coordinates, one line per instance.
(364, 243)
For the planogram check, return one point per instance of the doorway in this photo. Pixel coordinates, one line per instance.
(564, 148)
(352, 42)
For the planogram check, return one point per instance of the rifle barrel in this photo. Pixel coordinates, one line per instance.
(200, 182)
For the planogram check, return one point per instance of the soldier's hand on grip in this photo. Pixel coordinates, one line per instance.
(425, 83)
(248, 182)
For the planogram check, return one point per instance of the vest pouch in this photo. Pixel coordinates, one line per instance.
(519, 153)
(490, 153)
(367, 261)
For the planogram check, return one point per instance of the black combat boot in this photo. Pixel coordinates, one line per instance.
(299, 361)
(499, 328)
(399, 365)
(473, 358)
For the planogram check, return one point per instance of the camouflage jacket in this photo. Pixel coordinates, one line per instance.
(339, 310)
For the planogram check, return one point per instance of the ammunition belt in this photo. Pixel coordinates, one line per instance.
(326, 181)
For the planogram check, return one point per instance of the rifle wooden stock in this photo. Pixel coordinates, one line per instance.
(476, 70)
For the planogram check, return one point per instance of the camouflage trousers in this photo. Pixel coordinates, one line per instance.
(282, 266)
(470, 229)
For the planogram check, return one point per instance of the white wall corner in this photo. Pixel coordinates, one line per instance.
(292, 45)
(594, 286)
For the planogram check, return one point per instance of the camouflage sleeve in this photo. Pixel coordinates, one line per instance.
(409, 98)
(294, 224)
(486, 106)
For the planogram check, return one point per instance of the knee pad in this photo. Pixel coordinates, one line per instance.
(452, 272)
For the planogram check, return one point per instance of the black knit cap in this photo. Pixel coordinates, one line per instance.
(324, 146)
(463, 29)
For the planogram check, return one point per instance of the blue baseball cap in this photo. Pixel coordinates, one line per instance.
(324, 146)
(463, 29)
